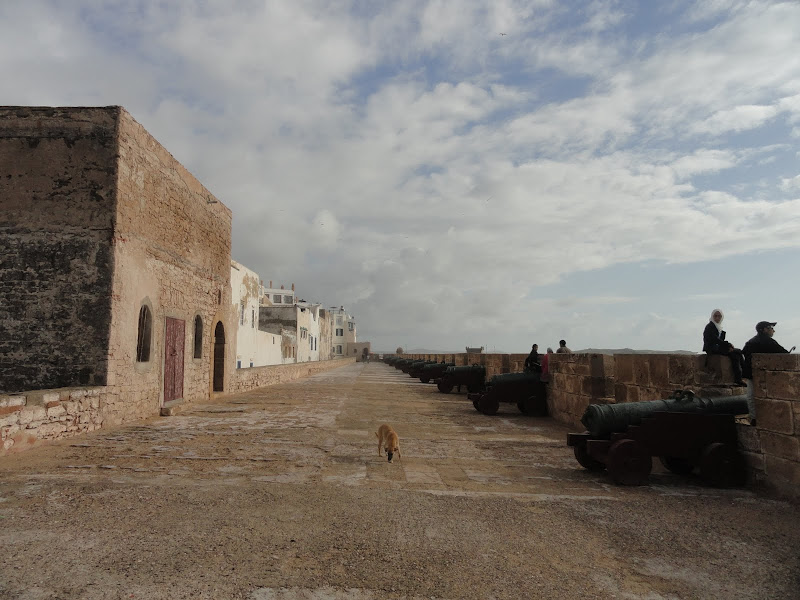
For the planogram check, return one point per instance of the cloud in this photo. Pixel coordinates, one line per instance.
(408, 161)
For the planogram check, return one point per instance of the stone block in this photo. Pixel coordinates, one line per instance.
(775, 415)
(32, 414)
(748, 438)
(55, 412)
(682, 368)
(623, 367)
(641, 369)
(782, 446)
(11, 401)
(9, 419)
(659, 371)
(776, 362)
(620, 393)
(784, 385)
(779, 470)
(754, 462)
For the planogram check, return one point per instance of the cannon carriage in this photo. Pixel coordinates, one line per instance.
(473, 377)
(526, 390)
(685, 431)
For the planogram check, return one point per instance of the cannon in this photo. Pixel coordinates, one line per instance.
(685, 431)
(526, 390)
(403, 364)
(472, 376)
(434, 371)
(415, 370)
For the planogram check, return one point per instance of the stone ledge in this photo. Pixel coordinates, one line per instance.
(173, 407)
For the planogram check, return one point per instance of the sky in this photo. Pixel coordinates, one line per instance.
(468, 172)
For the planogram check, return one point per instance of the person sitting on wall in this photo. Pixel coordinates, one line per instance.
(533, 364)
(546, 365)
(714, 343)
(562, 348)
(761, 343)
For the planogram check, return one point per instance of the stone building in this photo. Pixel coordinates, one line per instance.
(115, 270)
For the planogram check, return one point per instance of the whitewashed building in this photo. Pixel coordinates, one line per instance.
(254, 346)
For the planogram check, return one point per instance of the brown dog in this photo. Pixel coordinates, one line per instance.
(387, 438)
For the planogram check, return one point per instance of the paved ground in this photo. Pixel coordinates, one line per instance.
(280, 494)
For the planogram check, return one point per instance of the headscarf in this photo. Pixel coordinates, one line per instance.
(711, 319)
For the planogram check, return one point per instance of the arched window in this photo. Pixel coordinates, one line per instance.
(145, 334)
(198, 337)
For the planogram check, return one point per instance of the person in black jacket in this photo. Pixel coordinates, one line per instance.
(761, 343)
(714, 343)
(532, 363)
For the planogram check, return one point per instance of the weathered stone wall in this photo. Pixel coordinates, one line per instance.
(29, 417)
(172, 251)
(249, 379)
(776, 379)
(57, 203)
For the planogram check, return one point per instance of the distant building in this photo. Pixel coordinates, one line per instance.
(254, 346)
(344, 331)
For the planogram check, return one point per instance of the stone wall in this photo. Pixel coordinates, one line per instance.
(776, 379)
(771, 449)
(256, 377)
(57, 202)
(27, 418)
(172, 252)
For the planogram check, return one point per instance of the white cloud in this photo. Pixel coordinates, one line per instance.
(405, 159)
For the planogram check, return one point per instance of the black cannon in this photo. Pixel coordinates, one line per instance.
(685, 431)
(472, 376)
(403, 364)
(434, 371)
(415, 370)
(526, 390)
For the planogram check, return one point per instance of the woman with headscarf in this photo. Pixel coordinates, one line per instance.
(714, 343)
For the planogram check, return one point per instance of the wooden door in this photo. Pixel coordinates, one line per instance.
(173, 359)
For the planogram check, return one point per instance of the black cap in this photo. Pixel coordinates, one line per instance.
(763, 325)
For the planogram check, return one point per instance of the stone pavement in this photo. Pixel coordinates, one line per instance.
(279, 493)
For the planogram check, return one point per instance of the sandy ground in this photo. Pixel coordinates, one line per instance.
(279, 493)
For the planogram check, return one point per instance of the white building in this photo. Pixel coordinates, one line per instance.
(254, 346)
(344, 331)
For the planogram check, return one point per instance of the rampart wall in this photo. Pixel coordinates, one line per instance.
(771, 448)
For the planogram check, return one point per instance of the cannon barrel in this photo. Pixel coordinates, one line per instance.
(604, 419)
(514, 378)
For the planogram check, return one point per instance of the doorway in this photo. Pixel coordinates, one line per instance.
(173, 359)
(219, 358)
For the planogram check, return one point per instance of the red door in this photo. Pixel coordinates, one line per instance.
(173, 359)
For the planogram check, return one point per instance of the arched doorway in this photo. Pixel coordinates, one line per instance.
(219, 358)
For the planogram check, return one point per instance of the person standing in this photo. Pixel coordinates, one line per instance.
(761, 343)
(562, 347)
(714, 343)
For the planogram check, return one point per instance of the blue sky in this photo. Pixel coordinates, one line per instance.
(607, 172)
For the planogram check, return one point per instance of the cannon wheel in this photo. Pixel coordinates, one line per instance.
(445, 388)
(586, 461)
(677, 464)
(629, 462)
(488, 405)
(424, 379)
(722, 466)
(476, 403)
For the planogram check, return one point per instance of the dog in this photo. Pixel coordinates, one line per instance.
(387, 438)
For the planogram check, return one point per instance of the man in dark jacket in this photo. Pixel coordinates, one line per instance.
(761, 343)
